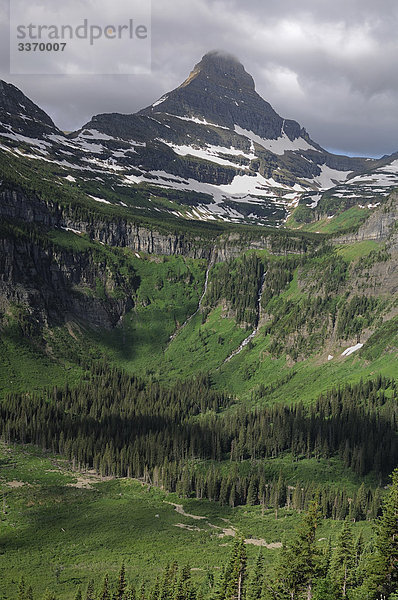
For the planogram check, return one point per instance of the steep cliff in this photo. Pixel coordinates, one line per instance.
(119, 232)
(381, 226)
(55, 285)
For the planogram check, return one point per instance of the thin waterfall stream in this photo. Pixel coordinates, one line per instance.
(209, 266)
(254, 332)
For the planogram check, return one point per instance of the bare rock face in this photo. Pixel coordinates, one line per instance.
(218, 105)
(59, 285)
(21, 114)
(380, 226)
(18, 206)
(220, 91)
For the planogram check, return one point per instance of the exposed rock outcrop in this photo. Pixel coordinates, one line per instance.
(57, 285)
(380, 226)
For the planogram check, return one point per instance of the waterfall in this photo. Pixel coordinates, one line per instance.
(209, 266)
(253, 333)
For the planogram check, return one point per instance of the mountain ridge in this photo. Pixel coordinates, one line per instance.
(212, 146)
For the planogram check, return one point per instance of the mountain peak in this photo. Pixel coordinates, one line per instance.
(20, 114)
(223, 68)
(219, 90)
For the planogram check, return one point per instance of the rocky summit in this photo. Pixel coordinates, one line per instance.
(220, 91)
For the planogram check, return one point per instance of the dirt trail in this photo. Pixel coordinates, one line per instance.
(223, 531)
(16, 484)
(259, 542)
(179, 508)
(189, 527)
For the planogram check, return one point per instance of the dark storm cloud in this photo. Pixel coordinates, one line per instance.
(330, 64)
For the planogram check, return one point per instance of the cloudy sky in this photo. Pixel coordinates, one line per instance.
(332, 65)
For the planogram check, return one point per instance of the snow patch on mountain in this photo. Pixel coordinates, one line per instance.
(247, 184)
(99, 199)
(211, 153)
(95, 135)
(26, 140)
(278, 146)
(315, 200)
(201, 121)
(160, 101)
(328, 177)
(351, 349)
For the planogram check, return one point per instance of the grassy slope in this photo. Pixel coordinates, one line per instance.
(205, 346)
(169, 293)
(359, 250)
(346, 220)
(49, 525)
(24, 366)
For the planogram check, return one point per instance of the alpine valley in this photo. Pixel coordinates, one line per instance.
(198, 354)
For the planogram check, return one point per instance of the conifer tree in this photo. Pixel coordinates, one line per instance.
(301, 561)
(21, 589)
(256, 579)
(155, 589)
(309, 556)
(29, 593)
(184, 589)
(122, 584)
(90, 592)
(252, 492)
(358, 548)
(179, 590)
(343, 561)
(130, 593)
(49, 595)
(288, 581)
(232, 583)
(105, 593)
(142, 592)
(324, 590)
(232, 496)
(78, 595)
(387, 538)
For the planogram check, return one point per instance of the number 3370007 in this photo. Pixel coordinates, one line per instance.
(41, 47)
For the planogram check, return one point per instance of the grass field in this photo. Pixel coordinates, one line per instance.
(60, 528)
(360, 249)
(349, 219)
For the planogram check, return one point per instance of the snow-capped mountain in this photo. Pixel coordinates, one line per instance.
(212, 147)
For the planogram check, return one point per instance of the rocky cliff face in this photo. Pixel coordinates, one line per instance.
(126, 234)
(380, 226)
(121, 233)
(220, 91)
(60, 285)
(57, 284)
